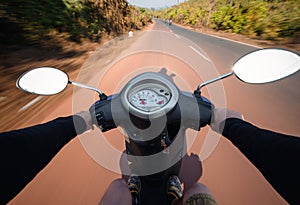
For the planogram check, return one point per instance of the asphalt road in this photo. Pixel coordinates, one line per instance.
(74, 176)
(273, 106)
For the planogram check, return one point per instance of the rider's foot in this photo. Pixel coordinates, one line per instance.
(134, 185)
(174, 190)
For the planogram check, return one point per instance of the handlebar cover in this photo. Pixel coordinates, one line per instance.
(196, 111)
(185, 111)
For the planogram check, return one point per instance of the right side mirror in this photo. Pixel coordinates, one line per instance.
(266, 65)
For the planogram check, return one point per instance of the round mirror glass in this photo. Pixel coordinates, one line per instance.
(266, 65)
(43, 81)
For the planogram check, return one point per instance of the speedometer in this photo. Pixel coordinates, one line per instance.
(149, 95)
(149, 99)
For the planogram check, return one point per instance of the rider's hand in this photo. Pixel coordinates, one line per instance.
(219, 117)
(86, 116)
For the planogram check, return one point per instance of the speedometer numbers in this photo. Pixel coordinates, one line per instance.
(149, 99)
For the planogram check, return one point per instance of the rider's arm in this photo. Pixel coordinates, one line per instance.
(275, 155)
(24, 152)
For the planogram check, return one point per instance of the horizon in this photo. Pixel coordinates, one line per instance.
(155, 4)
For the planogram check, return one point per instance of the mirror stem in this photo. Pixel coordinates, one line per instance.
(101, 94)
(214, 80)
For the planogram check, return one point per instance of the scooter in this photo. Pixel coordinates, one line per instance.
(155, 113)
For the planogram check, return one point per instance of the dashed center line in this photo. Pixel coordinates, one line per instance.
(30, 103)
(3, 99)
(199, 53)
(177, 36)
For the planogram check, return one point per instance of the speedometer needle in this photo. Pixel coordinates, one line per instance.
(143, 101)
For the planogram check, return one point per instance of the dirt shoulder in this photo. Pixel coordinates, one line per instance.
(59, 53)
(69, 58)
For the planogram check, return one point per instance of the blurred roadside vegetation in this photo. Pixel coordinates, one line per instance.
(55, 33)
(30, 22)
(63, 31)
(263, 19)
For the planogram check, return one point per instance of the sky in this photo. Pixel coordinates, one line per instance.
(154, 3)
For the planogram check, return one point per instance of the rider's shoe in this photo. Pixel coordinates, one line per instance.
(174, 190)
(134, 185)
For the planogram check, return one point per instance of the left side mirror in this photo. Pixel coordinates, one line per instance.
(43, 81)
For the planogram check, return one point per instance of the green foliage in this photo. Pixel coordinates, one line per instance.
(260, 18)
(287, 19)
(139, 17)
(31, 21)
(239, 19)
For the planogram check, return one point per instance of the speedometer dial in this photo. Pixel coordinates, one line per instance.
(149, 99)
(149, 95)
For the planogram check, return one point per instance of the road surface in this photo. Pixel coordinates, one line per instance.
(74, 176)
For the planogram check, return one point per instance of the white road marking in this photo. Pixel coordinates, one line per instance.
(3, 99)
(170, 30)
(227, 39)
(199, 53)
(177, 36)
(224, 38)
(30, 103)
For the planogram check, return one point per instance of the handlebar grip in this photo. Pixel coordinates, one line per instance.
(102, 116)
(205, 111)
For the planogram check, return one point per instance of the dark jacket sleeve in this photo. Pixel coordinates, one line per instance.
(275, 155)
(25, 152)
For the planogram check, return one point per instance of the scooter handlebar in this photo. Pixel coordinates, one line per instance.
(185, 111)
